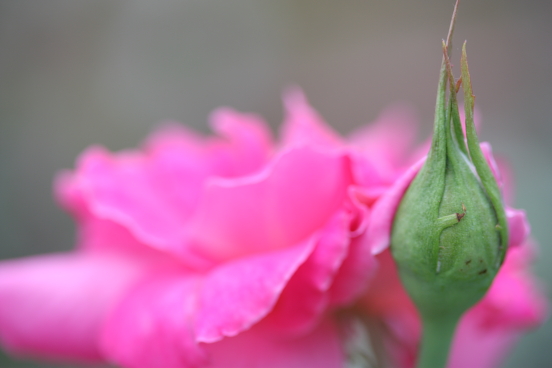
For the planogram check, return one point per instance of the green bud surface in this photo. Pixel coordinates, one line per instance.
(449, 234)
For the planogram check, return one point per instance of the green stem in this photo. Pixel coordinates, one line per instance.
(436, 340)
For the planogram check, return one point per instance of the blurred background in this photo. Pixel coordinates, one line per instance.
(79, 72)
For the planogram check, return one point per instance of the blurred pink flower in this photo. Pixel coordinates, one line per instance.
(234, 251)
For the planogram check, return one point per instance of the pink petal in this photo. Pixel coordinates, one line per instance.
(237, 294)
(368, 174)
(104, 235)
(243, 145)
(305, 297)
(388, 140)
(355, 273)
(383, 212)
(54, 306)
(381, 149)
(518, 226)
(507, 174)
(250, 139)
(154, 193)
(153, 326)
(259, 348)
(474, 347)
(359, 265)
(94, 233)
(125, 190)
(279, 207)
(304, 125)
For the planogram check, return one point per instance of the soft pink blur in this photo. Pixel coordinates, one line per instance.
(238, 251)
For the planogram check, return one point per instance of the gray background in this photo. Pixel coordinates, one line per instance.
(74, 73)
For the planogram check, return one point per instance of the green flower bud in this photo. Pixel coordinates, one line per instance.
(449, 234)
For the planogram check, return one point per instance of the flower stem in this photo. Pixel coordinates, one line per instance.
(436, 342)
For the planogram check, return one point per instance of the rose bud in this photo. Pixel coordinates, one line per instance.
(449, 234)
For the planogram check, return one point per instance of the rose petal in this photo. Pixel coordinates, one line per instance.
(125, 190)
(474, 347)
(54, 306)
(154, 193)
(381, 148)
(279, 207)
(259, 348)
(239, 293)
(387, 141)
(518, 226)
(359, 265)
(94, 233)
(250, 139)
(304, 125)
(305, 297)
(153, 326)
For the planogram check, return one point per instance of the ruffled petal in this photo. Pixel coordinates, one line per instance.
(305, 297)
(359, 265)
(518, 227)
(54, 306)
(94, 233)
(153, 326)
(380, 150)
(237, 294)
(507, 174)
(276, 208)
(387, 141)
(476, 348)
(160, 321)
(259, 348)
(124, 189)
(303, 125)
(250, 140)
(153, 193)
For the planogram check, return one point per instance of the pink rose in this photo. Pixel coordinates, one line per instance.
(195, 252)
(231, 251)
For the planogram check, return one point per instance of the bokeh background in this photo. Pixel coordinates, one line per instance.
(79, 72)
